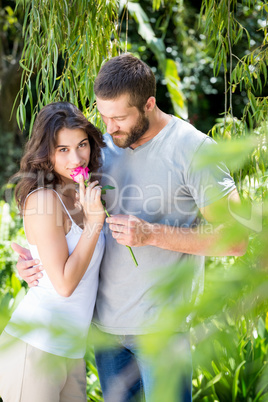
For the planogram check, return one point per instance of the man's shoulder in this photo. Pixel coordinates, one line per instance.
(186, 131)
(184, 137)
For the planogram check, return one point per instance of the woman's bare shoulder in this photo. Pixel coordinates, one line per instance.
(42, 199)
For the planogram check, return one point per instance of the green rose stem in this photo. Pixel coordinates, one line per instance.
(87, 176)
(130, 249)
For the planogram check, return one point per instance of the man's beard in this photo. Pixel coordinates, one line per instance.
(134, 134)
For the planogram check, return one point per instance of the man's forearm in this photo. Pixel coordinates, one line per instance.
(206, 240)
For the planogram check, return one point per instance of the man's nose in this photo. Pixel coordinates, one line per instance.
(111, 126)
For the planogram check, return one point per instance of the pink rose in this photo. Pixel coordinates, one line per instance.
(80, 171)
(85, 173)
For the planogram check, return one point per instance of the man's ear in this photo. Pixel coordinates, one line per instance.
(150, 104)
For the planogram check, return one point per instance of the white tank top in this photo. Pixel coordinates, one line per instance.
(53, 323)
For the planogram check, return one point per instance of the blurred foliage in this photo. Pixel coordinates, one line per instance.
(229, 322)
(11, 288)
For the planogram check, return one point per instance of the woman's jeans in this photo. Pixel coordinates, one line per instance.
(126, 374)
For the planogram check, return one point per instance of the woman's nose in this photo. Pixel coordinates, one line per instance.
(75, 158)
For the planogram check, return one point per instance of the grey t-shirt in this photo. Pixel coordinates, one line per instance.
(156, 182)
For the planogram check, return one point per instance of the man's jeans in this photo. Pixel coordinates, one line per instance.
(126, 375)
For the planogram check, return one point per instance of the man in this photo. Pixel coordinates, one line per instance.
(155, 207)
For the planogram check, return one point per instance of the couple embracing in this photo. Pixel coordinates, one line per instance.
(87, 273)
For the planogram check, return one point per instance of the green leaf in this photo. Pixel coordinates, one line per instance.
(18, 297)
(236, 381)
(108, 187)
(22, 114)
(15, 283)
(24, 67)
(29, 93)
(105, 188)
(174, 88)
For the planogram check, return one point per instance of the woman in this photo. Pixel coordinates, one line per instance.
(42, 347)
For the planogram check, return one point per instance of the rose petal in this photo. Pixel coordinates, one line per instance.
(80, 171)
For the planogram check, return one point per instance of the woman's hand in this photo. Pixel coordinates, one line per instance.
(28, 269)
(90, 199)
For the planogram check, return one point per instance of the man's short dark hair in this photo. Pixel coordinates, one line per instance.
(126, 74)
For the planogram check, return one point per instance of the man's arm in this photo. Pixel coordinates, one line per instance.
(28, 269)
(221, 236)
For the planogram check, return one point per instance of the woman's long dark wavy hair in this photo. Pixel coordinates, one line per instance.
(36, 169)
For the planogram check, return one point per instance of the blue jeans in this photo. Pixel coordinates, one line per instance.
(127, 375)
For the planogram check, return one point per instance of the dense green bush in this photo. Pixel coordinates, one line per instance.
(11, 288)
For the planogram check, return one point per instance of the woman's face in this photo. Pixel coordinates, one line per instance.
(72, 150)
